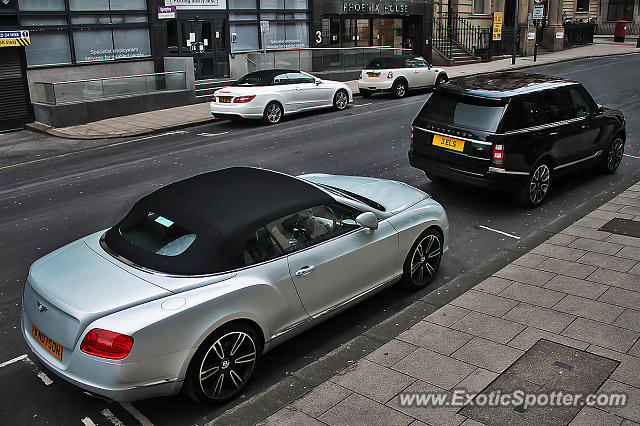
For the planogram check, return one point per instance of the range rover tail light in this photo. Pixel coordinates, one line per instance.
(497, 157)
(390, 74)
(106, 344)
(243, 99)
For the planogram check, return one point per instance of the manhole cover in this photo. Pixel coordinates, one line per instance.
(546, 368)
(620, 226)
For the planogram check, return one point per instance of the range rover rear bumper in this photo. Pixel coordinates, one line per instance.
(492, 179)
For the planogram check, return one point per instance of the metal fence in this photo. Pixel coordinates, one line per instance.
(63, 92)
(319, 59)
(451, 32)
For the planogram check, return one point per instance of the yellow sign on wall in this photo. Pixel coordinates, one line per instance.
(497, 26)
(14, 38)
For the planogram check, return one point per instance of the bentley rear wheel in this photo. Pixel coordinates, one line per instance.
(224, 364)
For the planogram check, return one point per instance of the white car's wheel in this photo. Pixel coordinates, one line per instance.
(272, 113)
(399, 89)
(340, 100)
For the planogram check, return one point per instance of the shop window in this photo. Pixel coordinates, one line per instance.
(128, 4)
(172, 35)
(44, 5)
(582, 5)
(620, 9)
(40, 21)
(48, 47)
(284, 4)
(235, 16)
(244, 37)
(296, 4)
(242, 4)
(284, 35)
(89, 4)
(93, 45)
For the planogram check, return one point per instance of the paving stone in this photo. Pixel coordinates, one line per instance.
(615, 279)
(621, 297)
(576, 286)
(372, 380)
(588, 308)
(590, 222)
(558, 252)
(630, 210)
(635, 349)
(631, 410)
(596, 246)
(391, 352)
(533, 295)
(630, 252)
(447, 315)
(432, 367)
(493, 285)
(599, 214)
(530, 336)
(492, 328)
(604, 335)
(627, 422)
(581, 231)
(561, 239)
(610, 207)
(524, 274)
(605, 261)
(487, 354)
(442, 415)
(590, 416)
(627, 371)
(477, 381)
(485, 303)
(435, 337)
(543, 318)
(319, 400)
(624, 239)
(635, 270)
(530, 260)
(357, 410)
(563, 267)
(290, 416)
(471, 422)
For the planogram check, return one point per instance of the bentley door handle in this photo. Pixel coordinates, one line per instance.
(305, 270)
(553, 133)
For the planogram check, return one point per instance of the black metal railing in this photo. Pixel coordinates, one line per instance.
(452, 32)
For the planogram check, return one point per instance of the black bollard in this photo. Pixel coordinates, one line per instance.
(638, 42)
(535, 52)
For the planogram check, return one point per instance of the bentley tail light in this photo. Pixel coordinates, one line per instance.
(390, 74)
(106, 344)
(243, 99)
(497, 158)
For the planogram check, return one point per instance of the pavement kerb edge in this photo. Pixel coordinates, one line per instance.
(297, 384)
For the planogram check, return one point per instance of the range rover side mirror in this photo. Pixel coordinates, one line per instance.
(368, 220)
(599, 109)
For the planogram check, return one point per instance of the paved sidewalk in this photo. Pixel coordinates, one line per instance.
(174, 118)
(564, 316)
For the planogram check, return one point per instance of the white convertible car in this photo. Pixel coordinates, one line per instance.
(399, 74)
(270, 94)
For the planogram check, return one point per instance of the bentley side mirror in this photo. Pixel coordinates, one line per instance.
(368, 220)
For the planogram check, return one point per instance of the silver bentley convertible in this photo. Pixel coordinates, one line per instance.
(204, 275)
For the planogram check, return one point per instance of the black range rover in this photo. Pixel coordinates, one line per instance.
(514, 131)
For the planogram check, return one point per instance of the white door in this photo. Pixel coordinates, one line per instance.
(286, 89)
(307, 93)
(423, 76)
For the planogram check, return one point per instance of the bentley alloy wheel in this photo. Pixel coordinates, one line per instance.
(423, 260)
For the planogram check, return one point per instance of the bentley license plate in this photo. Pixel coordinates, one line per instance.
(224, 99)
(54, 348)
(448, 143)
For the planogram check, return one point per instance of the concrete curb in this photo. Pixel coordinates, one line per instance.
(303, 381)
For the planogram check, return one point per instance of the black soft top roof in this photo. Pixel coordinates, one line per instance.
(265, 77)
(503, 84)
(223, 208)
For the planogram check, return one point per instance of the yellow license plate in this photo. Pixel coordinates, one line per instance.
(225, 100)
(448, 143)
(373, 74)
(54, 348)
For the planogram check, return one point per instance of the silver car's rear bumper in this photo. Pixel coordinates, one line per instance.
(116, 380)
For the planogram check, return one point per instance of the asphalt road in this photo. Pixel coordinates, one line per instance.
(47, 204)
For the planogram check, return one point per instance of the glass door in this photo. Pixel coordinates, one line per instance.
(206, 41)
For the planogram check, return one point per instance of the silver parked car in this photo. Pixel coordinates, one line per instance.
(204, 275)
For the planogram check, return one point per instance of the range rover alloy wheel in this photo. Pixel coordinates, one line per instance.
(223, 365)
(272, 113)
(423, 260)
(535, 191)
(399, 89)
(613, 156)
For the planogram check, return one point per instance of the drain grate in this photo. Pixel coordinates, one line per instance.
(630, 228)
(546, 368)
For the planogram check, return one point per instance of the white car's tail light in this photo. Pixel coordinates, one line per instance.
(497, 158)
(390, 74)
(106, 344)
(243, 99)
